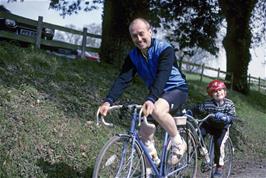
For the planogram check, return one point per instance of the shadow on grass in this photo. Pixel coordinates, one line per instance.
(62, 170)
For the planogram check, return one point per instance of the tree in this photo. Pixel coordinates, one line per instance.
(193, 23)
(197, 22)
(115, 35)
(116, 17)
(237, 41)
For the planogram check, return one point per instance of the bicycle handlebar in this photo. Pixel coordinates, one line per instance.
(100, 118)
(205, 118)
(201, 120)
(144, 119)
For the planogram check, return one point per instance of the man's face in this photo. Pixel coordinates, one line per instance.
(140, 35)
(219, 95)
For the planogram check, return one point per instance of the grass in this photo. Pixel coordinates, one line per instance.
(48, 106)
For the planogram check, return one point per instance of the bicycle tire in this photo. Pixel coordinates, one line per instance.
(189, 161)
(228, 158)
(115, 156)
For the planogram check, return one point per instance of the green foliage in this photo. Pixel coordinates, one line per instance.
(48, 106)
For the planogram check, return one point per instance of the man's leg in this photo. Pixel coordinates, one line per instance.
(146, 134)
(162, 116)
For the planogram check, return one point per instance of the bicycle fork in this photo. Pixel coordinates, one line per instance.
(123, 160)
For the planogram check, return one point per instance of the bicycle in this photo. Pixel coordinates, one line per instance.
(125, 155)
(206, 148)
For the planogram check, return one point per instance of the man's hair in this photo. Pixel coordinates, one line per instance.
(141, 19)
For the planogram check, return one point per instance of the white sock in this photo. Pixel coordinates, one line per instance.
(148, 171)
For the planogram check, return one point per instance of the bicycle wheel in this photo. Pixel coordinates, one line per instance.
(116, 159)
(187, 166)
(228, 157)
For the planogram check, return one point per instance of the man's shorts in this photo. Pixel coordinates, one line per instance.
(175, 98)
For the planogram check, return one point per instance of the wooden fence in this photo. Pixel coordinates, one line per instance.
(38, 41)
(253, 82)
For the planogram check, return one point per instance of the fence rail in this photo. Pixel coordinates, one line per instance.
(38, 41)
(258, 83)
(253, 82)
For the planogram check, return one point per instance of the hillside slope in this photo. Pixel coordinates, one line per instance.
(47, 114)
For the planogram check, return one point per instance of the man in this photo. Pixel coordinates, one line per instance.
(155, 63)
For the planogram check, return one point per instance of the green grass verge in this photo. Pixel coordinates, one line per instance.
(48, 106)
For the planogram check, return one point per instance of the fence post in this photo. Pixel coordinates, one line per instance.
(202, 70)
(218, 75)
(249, 78)
(232, 81)
(39, 32)
(180, 64)
(84, 41)
(259, 84)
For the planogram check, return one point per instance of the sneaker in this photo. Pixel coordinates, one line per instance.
(218, 172)
(177, 152)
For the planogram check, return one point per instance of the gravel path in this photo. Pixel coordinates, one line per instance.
(249, 169)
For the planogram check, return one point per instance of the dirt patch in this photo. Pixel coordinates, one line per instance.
(252, 168)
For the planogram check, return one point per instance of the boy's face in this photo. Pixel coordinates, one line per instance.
(219, 95)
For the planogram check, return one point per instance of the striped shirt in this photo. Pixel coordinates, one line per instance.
(210, 106)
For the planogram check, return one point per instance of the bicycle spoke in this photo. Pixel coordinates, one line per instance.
(228, 158)
(188, 163)
(116, 157)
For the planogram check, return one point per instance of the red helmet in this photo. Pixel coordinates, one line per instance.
(214, 86)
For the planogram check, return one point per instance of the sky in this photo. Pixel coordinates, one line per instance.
(34, 8)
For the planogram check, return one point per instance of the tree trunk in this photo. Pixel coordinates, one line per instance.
(117, 15)
(238, 40)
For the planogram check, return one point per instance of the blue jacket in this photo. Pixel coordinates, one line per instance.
(159, 71)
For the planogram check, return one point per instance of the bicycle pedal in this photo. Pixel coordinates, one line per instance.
(205, 167)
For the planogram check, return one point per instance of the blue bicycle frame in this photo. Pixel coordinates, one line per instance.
(135, 141)
(159, 172)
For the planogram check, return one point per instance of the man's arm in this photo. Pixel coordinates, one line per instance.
(165, 64)
(126, 75)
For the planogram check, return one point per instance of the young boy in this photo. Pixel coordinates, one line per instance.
(217, 126)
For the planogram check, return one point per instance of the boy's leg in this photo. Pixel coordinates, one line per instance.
(222, 146)
(219, 154)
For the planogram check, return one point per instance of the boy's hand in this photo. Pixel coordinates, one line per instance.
(189, 112)
(222, 117)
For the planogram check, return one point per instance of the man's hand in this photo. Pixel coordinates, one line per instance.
(222, 117)
(103, 109)
(148, 108)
